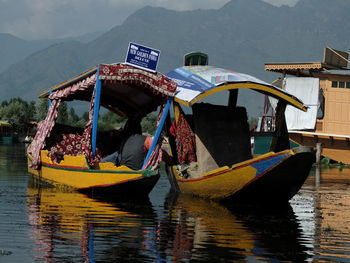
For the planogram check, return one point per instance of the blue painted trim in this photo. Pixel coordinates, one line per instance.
(97, 98)
(91, 245)
(158, 131)
(264, 165)
(50, 101)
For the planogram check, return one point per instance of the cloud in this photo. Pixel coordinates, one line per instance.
(38, 19)
(181, 5)
(282, 2)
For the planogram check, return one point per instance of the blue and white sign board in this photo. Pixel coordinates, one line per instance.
(142, 57)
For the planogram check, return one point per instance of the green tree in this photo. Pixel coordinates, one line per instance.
(85, 116)
(32, 108)
(253, 122)
(73, 118)
(82, 120)
(110, 120)
(63, 114)
(4, 103)
(41, 108)
(149, 123)
(18, 112)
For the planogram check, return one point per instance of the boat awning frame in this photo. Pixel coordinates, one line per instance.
(253, 86)
(126, 90)
(197, 82)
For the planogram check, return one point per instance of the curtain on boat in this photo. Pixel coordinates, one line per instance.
(45, 126)
(158, 84)
(87, 146)
(44, 129)
(186, 142)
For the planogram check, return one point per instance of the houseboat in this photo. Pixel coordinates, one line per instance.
(324, 87)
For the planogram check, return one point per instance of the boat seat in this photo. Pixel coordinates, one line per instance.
(71, 144)
(222, 136)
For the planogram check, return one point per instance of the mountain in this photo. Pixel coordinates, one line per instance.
(242, 36)
(14, 49)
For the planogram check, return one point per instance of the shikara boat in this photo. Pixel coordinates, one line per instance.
(74, 160)
(211, 144)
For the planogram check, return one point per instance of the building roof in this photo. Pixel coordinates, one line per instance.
(5, 124)
(305, 69)
(337, 72)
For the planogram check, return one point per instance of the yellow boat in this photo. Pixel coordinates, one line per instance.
(74, 160)
(211, 145)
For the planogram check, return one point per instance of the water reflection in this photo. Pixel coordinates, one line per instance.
(191, 229)
(324, 210)
(196, 229)
(43, 225)
(70, 227)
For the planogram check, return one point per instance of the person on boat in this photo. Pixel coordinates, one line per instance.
(134, 147)
(134, 150)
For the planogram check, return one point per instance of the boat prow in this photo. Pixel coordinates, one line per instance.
(270, 178)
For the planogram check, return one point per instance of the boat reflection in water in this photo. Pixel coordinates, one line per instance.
(211, 232)
(71, 227)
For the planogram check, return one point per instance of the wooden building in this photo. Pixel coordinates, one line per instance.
(332, 126)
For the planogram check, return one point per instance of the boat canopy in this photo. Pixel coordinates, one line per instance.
(121, 88)
(197, 82)
(126, 90)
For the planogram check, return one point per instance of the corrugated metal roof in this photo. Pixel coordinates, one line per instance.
(336, 72)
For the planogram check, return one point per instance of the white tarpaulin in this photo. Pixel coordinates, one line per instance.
(307, 90)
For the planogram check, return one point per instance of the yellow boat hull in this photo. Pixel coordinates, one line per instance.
(74, 173)
(267, 177)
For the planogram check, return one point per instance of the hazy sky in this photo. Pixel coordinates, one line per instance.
(38, 19)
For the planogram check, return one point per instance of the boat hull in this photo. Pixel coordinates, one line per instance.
(268, 177)
(73, 173)
(279, 184)
(137, 188)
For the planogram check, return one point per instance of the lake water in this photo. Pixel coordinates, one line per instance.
(44, 225)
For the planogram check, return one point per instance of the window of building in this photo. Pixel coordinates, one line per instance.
(340, 84)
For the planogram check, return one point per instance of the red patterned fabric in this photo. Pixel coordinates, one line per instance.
(156, 157)
(71, 144)
(84, 84)
(45, 126)
(158, 83)
(87, 135)
(186, 144)
(44, 129)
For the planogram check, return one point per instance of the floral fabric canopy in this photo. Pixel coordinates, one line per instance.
(119, 79)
